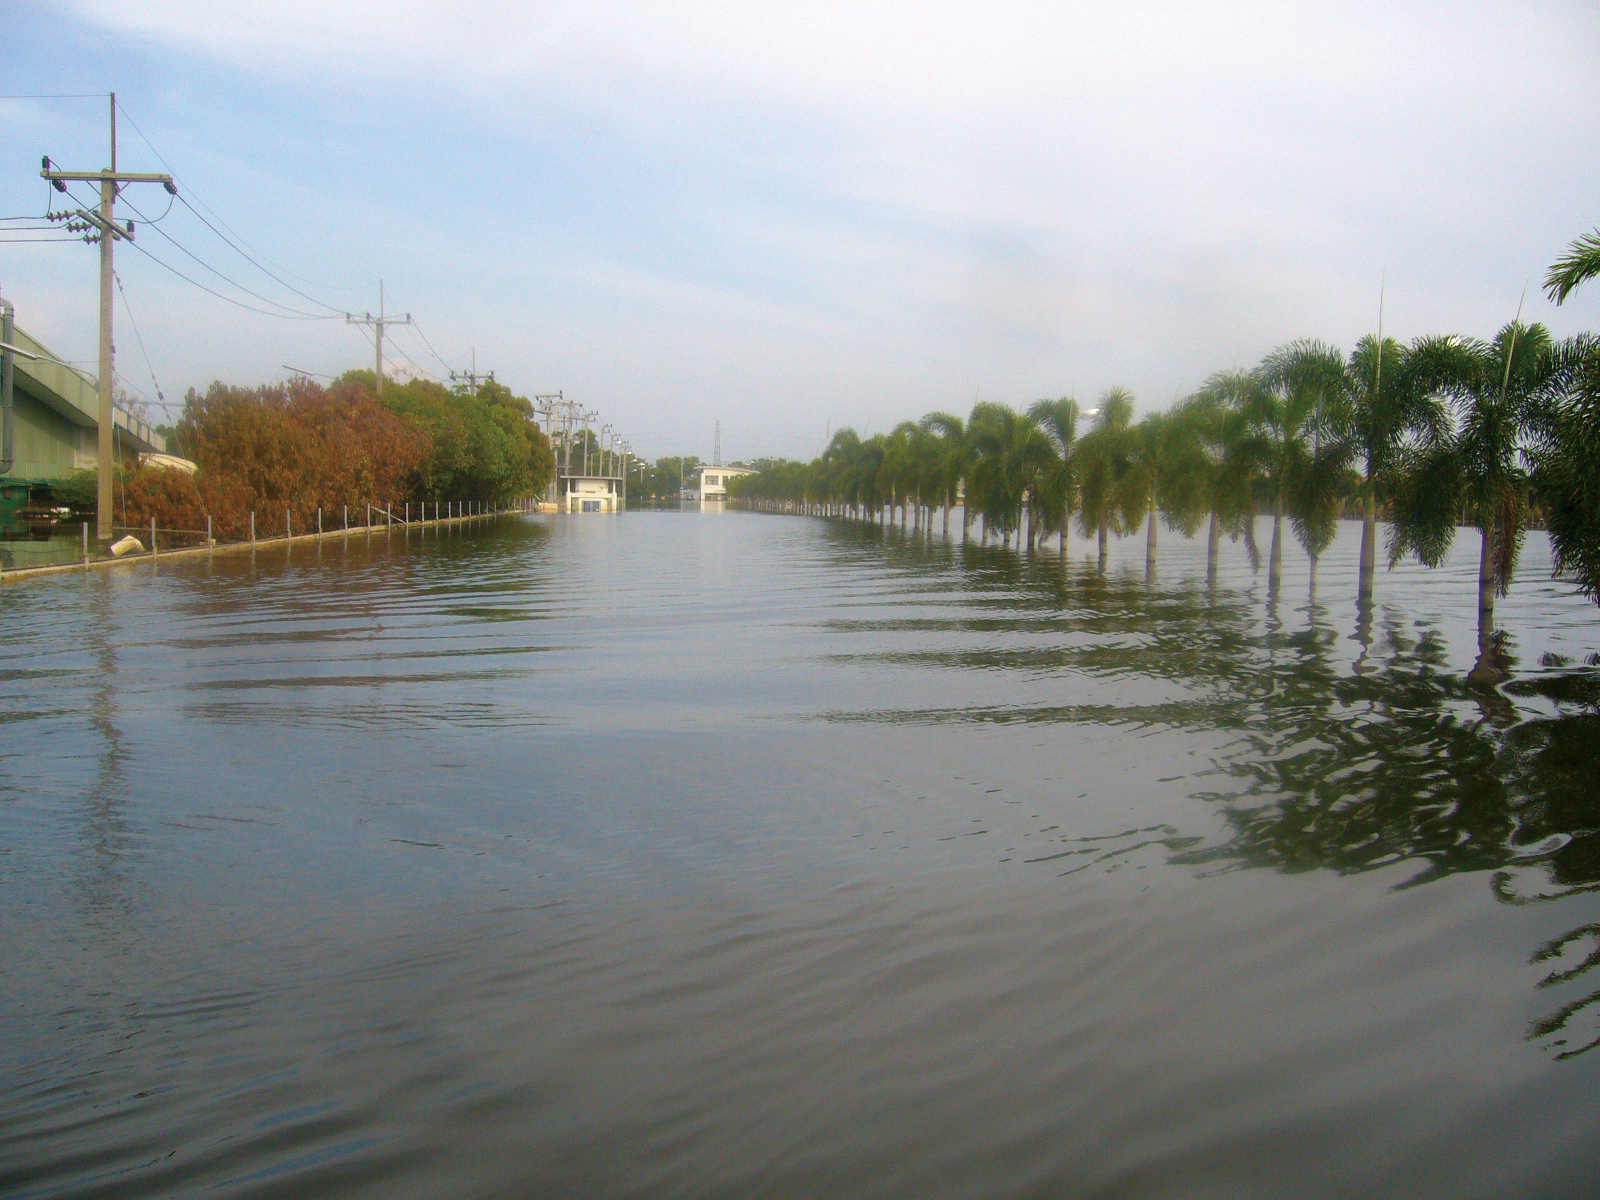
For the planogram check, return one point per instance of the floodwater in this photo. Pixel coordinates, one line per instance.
(727, 855)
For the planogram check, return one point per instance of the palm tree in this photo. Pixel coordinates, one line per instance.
(1010, 453)
(1387, 414)
(1058, 419)
(1564, 456)
(1101, 461)
(1166, 480)
(1498, 389)
(1233, 453)
(1581, 262)
(1300, 382)
(950, 454)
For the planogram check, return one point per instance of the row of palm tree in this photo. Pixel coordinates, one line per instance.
(1438, 433)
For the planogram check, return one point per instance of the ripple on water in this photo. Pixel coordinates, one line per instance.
(732, 855)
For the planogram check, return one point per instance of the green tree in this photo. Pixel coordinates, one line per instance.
(1009, 455)
(485, 445)
(1233, 452)
(950, 455)
(1302, 384)
(1102, 460)
(1497, 389)
(1392, 423)
(1165, 482)
(1058, 419)
(1565, 459)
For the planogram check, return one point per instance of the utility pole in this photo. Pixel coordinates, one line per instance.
(105, 220)
(472, 377)
(377, 323)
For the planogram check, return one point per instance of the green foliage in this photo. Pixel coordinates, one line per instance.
(1566, 471)
(1497, 388)
(483, 445)
(79, 491)
(1581, 262)
(1103, 460)
(1427, 434)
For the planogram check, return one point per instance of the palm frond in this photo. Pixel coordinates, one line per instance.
(1581, 262)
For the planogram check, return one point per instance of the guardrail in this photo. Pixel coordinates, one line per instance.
(147, 543)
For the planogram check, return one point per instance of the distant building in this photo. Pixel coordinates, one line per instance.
(587, 493)
(714, 480)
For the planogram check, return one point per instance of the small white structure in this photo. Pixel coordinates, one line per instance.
(588, 493)
(714, 480)
(168, 462)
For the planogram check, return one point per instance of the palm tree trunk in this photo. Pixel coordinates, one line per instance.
(1102, 545)
(1275, 559)
(1486, 581)
(1066, 516)
(1150, 544)
(1213, 546)
(945, 530)
(1369, 543)
(1314, 560)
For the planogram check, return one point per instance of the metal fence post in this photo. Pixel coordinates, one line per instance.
(319, 520)
(208, 535)
(288, 526)
(86, 545)
(252, 527)
(152, 537)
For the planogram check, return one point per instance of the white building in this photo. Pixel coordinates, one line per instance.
(588, 493)
(714, 481)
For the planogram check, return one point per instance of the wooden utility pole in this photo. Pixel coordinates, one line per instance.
(105, 220)
(471, 378)
(377, 323)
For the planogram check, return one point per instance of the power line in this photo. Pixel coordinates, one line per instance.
(201, 217)
(139, 337)
(265, 312)
(288, 315)
(255, 264)
(429, 345)
(235, 283)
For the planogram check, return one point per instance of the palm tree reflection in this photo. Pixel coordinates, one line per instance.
(1395, 759)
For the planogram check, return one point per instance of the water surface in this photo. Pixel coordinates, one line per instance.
(679, 854)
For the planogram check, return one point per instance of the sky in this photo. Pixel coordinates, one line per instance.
(790, 218)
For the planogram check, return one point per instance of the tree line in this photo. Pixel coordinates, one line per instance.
(301, 446)
(1441, 432)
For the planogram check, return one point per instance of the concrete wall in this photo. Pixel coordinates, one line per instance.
(54, 420)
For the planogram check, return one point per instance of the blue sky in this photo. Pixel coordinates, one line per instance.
(795, 217)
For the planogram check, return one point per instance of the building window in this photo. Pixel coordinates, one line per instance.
(591, 506)
(713, 480)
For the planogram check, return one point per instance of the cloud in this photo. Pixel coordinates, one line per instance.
(842, 208)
